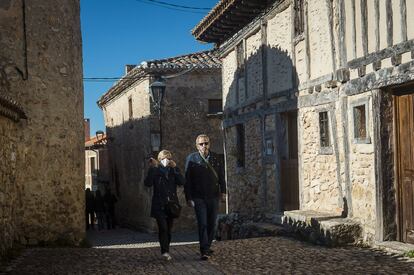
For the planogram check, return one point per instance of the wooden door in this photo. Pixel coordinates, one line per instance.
(289, 164)
(405, 165)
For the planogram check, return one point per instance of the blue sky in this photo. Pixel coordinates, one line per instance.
(120, 32)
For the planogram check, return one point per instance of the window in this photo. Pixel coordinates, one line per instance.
(93, 167)
(324, 129)
(299, 17)
(215, 106)
(240, 145)
(360, 124)
(269, 150)
(130, 107)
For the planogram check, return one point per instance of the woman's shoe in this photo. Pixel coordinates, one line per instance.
(167, 256)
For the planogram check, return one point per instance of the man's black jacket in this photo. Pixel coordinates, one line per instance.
(201, 182)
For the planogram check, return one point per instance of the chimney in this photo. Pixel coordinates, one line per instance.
(128, 68)
(87, 125)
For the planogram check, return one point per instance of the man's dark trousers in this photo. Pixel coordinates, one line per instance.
(206, 212)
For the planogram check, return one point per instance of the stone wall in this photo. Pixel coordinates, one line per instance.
(184, 116)
(9, 193)
(128, 145)
(362, 168)
(319, 190)
(41, 61)
(244, 189)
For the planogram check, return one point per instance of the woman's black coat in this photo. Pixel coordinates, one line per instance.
(165, 187)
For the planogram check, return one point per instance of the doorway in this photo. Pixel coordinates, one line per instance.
(289, 173)
(404, 129)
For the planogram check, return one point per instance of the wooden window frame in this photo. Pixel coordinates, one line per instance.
(325, 149)
(354, 106)
(299, 17)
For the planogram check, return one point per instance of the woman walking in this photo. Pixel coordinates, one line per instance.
(164, 176)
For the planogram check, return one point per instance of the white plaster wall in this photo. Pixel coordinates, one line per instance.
(349, 24)
(254, 65)
(358, 27)
(279, 56)
(396, 22)
(229, 63)
(410, 19)
(383, 24)
(319, 38)
(372, 26)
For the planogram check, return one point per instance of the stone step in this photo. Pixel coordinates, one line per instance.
(321, 227)
(232, 227)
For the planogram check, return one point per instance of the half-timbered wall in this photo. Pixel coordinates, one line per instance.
(348, 52)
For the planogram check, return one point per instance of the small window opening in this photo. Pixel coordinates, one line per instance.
(360, 123)
(324, 129)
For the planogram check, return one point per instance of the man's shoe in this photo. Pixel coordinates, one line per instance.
(167, 256)
(204, 257)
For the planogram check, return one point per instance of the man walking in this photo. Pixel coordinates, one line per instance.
(204, 186)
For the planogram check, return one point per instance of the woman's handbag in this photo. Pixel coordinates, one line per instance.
(173, 209)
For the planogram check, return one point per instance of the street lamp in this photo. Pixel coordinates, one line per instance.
(156, 91)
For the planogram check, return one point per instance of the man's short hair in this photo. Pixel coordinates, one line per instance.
(202, 136)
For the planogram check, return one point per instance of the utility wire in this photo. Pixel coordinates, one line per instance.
(170, 7)
(178, 6)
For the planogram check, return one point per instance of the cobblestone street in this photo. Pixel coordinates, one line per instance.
(126, 252)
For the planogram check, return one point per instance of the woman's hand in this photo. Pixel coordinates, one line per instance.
(172, 163)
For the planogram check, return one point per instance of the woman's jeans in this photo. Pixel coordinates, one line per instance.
(165, 225)
(206, 212)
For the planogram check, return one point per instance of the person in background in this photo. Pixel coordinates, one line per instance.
(164, 177)
(99, 209)
(205, 185)
(110, 201)
(89, 209)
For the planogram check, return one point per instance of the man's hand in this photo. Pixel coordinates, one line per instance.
(223, 197)
(172, 163)
(190, 203)
(152, 162)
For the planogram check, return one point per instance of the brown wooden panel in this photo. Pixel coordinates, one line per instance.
(405, 166)
(289, 167)
(290, 184)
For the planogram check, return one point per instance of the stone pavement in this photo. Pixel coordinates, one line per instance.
(127, 252)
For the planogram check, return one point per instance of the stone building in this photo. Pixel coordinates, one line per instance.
(191, 105)
(318, 110)
(41, 128)
(97, 174)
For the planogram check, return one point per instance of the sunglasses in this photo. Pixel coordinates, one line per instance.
(203, 143)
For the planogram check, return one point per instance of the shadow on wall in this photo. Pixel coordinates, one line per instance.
(183, 117)
(260, 121)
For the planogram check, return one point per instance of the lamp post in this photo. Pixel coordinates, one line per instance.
(156, 91)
